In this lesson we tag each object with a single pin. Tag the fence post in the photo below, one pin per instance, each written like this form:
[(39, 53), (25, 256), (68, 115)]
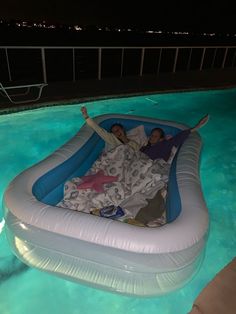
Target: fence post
[(99, 63), (189, 59), (159, 61), (213, 60), (122, 62), (202, 59), (73, 55), (234, 57), (141, 62), (176, 58), (8, 65), (44, 65), (225, 55)]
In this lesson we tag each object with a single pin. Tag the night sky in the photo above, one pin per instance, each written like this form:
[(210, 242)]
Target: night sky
[(176, 15)]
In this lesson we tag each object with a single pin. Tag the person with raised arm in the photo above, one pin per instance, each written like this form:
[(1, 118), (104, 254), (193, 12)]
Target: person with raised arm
[(160, 147), (115, 137)]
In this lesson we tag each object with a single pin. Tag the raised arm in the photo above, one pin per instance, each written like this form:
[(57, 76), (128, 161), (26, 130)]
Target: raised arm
[(182, 136), (84, 112), (106, 136), (201, 123)]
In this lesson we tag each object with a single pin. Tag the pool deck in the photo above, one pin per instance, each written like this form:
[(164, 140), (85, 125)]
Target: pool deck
[(85, 90), (218, 297)]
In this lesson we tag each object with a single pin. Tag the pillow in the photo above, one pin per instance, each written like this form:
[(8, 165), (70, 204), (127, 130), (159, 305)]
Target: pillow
[(172, 154), (138, 135)]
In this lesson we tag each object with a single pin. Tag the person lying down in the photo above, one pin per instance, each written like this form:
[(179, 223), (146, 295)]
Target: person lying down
[(123, 181), (118, 184), (155, 147)]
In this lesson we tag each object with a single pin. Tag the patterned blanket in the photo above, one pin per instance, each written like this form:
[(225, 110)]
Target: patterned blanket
[(138, 179)]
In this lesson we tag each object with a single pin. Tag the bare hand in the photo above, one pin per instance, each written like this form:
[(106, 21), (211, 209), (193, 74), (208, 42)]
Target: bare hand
[(203, 121), (84, 111)]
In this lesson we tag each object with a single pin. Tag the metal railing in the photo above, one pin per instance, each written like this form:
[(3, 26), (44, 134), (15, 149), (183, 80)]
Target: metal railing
[(148, 60)]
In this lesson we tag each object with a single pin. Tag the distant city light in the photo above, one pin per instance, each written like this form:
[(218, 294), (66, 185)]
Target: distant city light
[(46, 25), (153, 32), (209, 34), (161, 32), (34, 24)]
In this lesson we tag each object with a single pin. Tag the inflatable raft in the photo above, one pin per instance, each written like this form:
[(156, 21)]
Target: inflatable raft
[(101, 252)]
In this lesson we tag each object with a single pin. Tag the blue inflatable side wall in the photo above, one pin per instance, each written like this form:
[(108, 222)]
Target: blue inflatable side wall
[(49, 188)]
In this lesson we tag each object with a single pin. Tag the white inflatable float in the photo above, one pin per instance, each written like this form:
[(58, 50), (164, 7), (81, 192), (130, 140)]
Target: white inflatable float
[(101, 252)]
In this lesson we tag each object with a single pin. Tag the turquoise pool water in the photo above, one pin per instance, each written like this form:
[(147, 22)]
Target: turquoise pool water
[(28, 137)]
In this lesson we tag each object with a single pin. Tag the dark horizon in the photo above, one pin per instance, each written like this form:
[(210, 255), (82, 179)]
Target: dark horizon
[(112, 27), (179, 15), (91, 36)]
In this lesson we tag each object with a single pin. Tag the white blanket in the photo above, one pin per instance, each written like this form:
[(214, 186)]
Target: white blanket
[(139, 178)]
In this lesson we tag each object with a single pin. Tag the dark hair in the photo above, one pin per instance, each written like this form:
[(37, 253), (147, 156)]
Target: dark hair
[(162, 133), (118, 124)]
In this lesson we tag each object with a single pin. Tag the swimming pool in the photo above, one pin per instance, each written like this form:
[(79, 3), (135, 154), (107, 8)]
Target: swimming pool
[(30, 136)]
